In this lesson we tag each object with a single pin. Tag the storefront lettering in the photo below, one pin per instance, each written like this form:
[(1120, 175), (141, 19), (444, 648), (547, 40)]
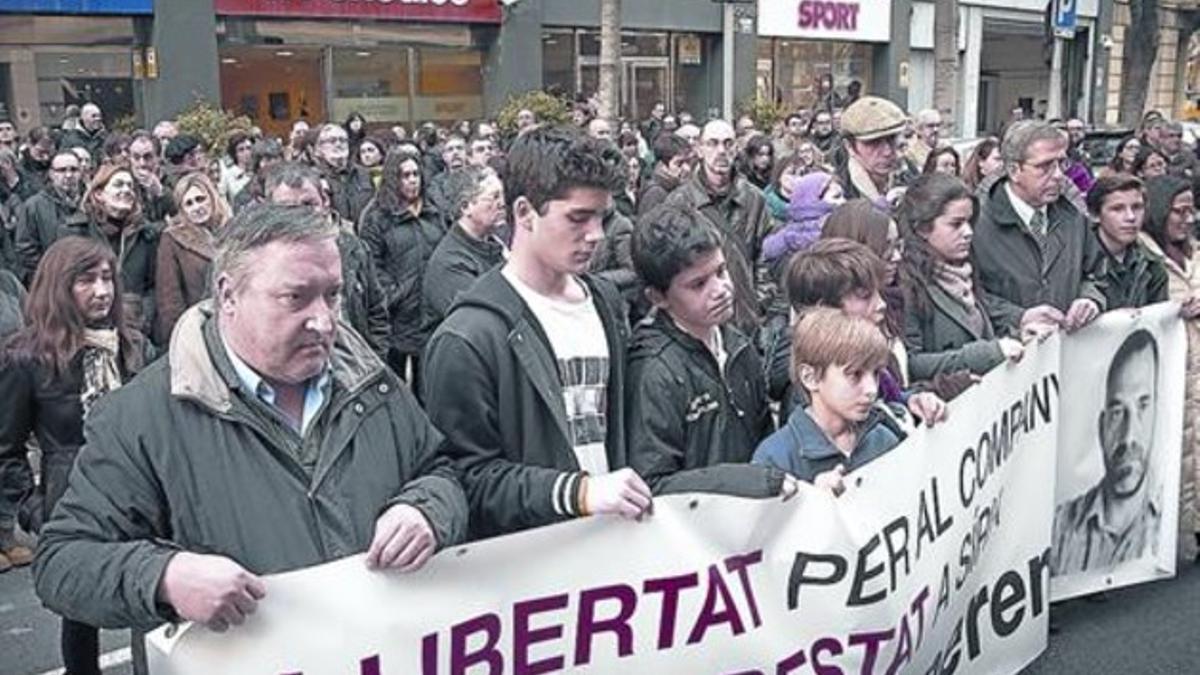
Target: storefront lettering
[(481, 11), (823, 14)]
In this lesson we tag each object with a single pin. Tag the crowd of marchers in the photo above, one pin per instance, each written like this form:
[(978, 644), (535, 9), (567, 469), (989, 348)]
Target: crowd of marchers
[(356, 340)]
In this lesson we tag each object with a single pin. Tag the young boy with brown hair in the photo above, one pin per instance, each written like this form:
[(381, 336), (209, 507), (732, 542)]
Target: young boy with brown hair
[(835, 358)]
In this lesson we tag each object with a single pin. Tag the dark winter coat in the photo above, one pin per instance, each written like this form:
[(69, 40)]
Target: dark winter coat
[(363, 303), (741, 216), (400, 245), (491, 384), (350, 191), (38, 222), (457, 261), (48, 406), (202, 465), (656, 190), (940, 338), (92, 141), (1010, 265), (12, 301), (693, 426), (182, 270), (1137, 281), (137, 254)]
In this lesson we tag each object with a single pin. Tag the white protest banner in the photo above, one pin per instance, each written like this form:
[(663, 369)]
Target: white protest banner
[(1117, 494), (935, 560)]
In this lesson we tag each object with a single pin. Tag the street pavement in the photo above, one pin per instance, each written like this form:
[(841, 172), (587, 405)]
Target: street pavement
[(1151, 629)]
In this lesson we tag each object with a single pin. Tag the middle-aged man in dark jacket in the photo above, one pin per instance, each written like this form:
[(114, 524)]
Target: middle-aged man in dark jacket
[(41, 216), (351, 188), (269, 439), (363, 304), (526, 375), (739, 212), (1032, 247)]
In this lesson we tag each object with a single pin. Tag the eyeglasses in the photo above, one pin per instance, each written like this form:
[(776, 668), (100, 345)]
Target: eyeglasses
[(65, 169), (336, 142), (1047, 167)]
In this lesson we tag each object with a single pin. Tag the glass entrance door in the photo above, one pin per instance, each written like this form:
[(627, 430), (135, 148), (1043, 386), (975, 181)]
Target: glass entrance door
[(645, 82)]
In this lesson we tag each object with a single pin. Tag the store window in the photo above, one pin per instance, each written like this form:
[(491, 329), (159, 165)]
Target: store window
[(788, 70), (558, 62), (292, 91), (449, 84), (373, 82), (50, 62)]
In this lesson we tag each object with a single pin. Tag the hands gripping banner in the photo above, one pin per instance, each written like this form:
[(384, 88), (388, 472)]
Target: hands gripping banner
[(935, 560)]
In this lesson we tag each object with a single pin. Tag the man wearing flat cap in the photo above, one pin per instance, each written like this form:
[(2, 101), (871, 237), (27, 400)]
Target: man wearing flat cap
[(871, 129), (184, 154)]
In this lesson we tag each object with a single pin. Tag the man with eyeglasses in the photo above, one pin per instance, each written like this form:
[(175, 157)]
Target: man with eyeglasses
[(350, 185), (735, 208), (928, 127), (1032, 246), (40, 216)]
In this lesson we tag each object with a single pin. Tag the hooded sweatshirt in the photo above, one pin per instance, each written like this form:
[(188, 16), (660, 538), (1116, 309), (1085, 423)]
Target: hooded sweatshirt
[(806, 215)]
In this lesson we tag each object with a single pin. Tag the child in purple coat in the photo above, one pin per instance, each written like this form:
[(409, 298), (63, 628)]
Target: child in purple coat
[(814, 197)]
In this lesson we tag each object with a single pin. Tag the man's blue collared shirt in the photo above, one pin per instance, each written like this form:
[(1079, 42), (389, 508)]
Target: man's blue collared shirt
[(314, 392)]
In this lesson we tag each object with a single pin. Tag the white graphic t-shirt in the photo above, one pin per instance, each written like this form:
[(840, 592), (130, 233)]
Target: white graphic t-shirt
[(576, 336)]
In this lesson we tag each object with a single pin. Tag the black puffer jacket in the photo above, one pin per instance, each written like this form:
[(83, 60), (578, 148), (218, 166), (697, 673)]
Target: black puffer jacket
[(693, 426), (401, 245)]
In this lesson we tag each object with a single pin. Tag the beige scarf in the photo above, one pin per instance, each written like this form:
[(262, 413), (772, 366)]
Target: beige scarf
[(100, 371), (862, 181)]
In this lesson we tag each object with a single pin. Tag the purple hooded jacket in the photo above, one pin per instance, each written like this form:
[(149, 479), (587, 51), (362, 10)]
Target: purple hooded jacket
[(806, 215)]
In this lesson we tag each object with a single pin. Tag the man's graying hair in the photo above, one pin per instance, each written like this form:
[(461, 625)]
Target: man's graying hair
[(464, 185), (290, 174), (263, 224), (1014, 149)]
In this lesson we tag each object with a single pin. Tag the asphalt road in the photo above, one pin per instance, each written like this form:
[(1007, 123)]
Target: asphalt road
[(1152, 629)]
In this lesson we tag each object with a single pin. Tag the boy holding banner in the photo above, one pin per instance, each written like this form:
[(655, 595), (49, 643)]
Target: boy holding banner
[(696, 398), (835, 358)]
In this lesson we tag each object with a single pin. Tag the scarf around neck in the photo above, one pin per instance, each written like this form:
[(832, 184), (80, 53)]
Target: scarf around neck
[(100, 371)]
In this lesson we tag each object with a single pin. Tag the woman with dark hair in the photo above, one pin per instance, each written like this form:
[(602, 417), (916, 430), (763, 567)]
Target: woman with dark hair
[(1150, 163), (356, 130), (401, 228), (369, 156), (236, 165), (73, 350), (943, 160), (985, 161), (757, 161), (948, 331), (1124, 158), (112, 213), (186, 250), (1168, 233)]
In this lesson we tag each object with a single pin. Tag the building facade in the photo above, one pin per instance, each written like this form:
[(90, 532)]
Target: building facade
[(805, 47), (1174, 87), (54, 54)]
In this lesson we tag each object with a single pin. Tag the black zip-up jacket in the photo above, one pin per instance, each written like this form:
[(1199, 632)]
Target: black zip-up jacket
[(1137, 281), (351, 190), (38, 222), (492, 386), (457, 261), (401, 245), (363, 303), (693, 427)]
